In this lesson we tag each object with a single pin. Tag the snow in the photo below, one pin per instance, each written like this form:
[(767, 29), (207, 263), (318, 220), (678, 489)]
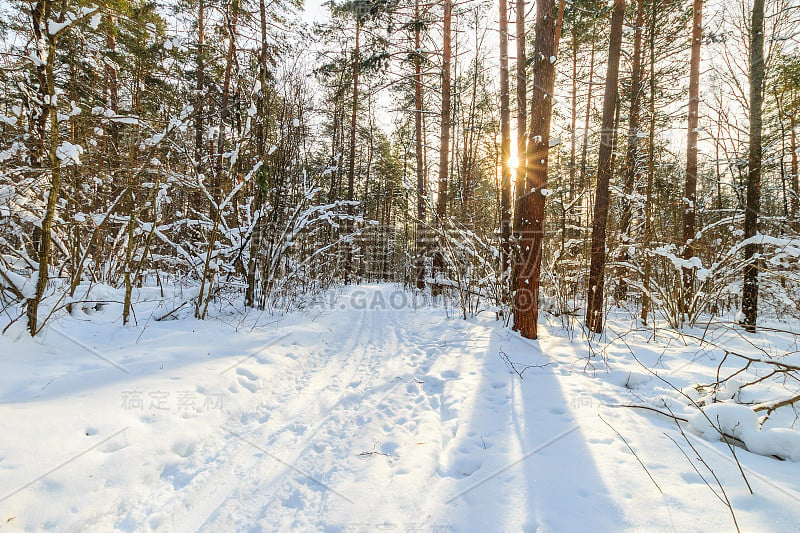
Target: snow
[(69, 153), (741, 422), (15, 148), (372, 410), (55, 27), (37, 61), (9, 278), (680, 263)]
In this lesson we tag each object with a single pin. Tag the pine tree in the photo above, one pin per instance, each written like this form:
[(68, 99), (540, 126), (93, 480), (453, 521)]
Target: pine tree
[(594, 309)]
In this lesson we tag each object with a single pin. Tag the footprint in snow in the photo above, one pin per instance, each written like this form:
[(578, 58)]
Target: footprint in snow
[(463, 466), (115, 445), (252, 386), (176, 475), (295, 501), (390, 448), (246, 373), (183, 448), (432, 385)]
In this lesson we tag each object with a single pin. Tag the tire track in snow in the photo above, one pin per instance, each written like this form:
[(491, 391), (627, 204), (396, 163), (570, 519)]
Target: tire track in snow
[(384, 369), (215, 472), (300, 421)]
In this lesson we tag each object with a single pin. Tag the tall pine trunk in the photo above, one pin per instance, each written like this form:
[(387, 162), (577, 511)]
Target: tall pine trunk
[(41, 17), (258, 224), (594, 307), (632, 154), (522, 115), (573, 126), (584, 182), (351, 165), (505, 142), (690, 192), (795, 178), (753, 202), (444, 138), (198, 113), (651, 165), (418, 148), (526, 296)]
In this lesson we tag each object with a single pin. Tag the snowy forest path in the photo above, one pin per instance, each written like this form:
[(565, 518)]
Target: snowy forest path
[(381, 384)]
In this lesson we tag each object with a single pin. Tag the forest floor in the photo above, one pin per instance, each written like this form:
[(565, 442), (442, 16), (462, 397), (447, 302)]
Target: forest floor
[(362, 413)]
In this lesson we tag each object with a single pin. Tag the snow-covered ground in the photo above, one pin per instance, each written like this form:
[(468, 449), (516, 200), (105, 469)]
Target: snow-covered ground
[(363, 413)]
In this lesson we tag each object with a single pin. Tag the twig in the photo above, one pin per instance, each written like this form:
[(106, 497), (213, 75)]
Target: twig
[(634, 454), (726, 501), (365, 454), (162, 317), (672, 416), (513, 367)]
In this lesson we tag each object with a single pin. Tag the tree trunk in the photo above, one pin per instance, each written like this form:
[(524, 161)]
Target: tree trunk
[(49, 93), (418, 148), (690, 193), (232, 16), (444, 139), (753, 205), (795, 178), (351, 165), (584, 182), (594, 308), (559, 24), (262, 82), (651, 166), (526, 297), (573, 133), (255, 238), (505, 143), (522, 115), (111, 86), (198, 112), (128, 278), (632, 154)]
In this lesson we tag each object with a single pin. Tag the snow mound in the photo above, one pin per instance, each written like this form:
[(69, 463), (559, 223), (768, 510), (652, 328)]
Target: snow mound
[(741, 422)]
